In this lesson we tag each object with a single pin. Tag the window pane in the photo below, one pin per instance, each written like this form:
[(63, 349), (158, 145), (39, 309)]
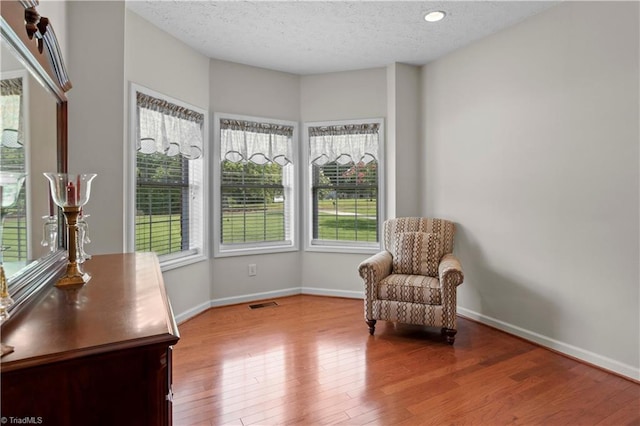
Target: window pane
[(252, 202), (345, 202), (162, 203)]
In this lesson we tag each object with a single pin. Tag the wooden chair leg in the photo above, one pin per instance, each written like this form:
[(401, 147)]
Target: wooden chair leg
[(372, 326), (449, 334)]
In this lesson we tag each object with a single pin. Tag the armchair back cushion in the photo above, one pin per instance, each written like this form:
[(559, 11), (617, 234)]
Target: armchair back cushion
[(444, 229), (416, 253)]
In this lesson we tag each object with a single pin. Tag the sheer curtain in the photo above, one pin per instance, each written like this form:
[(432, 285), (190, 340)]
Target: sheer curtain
[(344, 144), (12, 120), (168, 128), (260, 143)]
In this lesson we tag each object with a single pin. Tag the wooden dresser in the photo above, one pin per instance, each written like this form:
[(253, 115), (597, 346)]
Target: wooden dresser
[(105, 360)]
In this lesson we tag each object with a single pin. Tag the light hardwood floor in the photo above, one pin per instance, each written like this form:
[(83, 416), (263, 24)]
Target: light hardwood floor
[(310, 361)]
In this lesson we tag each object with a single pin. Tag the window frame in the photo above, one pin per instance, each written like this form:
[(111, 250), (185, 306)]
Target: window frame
[(196, 174), (252, 248), (330, 246)]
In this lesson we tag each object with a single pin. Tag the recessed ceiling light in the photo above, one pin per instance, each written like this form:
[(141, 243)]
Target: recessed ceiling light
[(434, 16)]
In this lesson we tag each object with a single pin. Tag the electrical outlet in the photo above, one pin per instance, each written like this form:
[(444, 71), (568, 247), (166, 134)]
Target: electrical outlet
[(253, 270)]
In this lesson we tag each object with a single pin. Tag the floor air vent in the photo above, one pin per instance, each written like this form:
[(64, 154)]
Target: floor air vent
[(263, 305)]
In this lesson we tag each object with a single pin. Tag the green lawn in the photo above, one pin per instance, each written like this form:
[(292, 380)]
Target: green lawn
[(161, 234), (346, 228), (252, 226), (350, 205), (158, 233)]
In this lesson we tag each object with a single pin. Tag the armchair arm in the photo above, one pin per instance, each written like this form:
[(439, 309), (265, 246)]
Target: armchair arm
[(372, 270), (375, 267), (450, 271), (451, 276)]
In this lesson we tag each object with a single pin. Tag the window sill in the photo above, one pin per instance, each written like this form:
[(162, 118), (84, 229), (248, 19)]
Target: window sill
[(330, 247), (178, 260), (247, 249)]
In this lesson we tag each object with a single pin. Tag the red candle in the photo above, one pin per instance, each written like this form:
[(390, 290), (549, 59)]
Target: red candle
[(71, 194), (50, 203), (78, 189)]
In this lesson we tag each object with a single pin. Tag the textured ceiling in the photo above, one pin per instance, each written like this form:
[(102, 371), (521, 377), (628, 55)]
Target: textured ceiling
[(310, 37)]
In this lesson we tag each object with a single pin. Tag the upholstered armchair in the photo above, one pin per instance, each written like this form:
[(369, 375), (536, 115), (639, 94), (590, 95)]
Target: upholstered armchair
[(414, 279)]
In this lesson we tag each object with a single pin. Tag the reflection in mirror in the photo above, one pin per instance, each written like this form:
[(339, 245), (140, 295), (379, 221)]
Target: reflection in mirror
[(33, 82), (27, 146)]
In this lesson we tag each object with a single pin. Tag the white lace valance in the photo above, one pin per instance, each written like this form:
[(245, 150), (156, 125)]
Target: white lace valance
[(260, 143), (168, 128), (12, 121), (344, 143)]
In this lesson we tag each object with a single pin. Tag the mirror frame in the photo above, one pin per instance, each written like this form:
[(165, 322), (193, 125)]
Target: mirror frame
[(34, 42)]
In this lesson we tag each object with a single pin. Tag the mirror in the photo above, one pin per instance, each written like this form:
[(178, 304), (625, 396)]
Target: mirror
[(33, 141), (27, 146)]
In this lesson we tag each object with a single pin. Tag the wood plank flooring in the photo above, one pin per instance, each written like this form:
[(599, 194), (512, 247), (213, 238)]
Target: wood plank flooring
[(310, 361)]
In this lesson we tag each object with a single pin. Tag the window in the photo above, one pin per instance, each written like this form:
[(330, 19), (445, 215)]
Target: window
[(169, 179), (254, 177), (344, 181), (13, 233)]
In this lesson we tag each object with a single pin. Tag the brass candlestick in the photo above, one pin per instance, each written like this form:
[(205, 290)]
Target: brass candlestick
[(71, 192), (74, 275), (5, 297)]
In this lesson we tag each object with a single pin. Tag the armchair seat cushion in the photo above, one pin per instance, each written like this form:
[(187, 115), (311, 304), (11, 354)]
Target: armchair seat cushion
[(410, 288)]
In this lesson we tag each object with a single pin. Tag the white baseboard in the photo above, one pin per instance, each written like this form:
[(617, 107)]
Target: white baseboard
[(573, 351), (225, 301), (183, 316), (331, 292), (255, 296)]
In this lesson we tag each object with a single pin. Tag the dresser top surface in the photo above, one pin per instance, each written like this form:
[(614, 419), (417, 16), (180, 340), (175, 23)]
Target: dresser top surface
[(123, 305)]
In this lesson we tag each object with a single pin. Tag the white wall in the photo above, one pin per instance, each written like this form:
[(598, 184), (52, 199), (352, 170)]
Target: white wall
[(339, 96), (403, 148), (96, 37), (242, 89), (160, 62), (532, 148), (56, 11)]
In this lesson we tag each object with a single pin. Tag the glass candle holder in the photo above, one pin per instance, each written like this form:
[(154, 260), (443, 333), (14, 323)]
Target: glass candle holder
[(71, 192), (83, 237), (50, 233), (10, 184)]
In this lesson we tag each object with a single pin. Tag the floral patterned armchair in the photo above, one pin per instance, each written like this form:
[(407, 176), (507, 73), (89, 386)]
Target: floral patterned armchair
[(414, 280)]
